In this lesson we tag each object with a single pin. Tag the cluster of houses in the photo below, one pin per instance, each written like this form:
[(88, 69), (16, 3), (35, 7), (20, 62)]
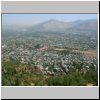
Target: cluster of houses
[(48, 60)]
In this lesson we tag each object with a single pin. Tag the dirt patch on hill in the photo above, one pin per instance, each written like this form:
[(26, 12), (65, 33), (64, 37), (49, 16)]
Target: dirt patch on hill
[(90, 53)]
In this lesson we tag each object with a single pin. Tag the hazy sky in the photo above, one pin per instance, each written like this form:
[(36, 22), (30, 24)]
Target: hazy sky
[(31, 19)]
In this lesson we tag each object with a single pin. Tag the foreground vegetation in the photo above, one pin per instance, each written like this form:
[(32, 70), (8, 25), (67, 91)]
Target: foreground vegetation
[(15, 73)]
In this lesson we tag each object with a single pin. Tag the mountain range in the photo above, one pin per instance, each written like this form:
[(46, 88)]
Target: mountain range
[(55, 26)]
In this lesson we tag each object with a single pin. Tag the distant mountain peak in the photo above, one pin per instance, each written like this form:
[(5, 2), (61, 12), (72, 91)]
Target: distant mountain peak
[(54, 21)]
